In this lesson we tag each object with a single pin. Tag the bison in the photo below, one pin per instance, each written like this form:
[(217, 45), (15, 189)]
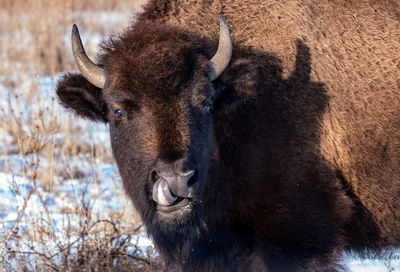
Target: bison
[(274, 149)]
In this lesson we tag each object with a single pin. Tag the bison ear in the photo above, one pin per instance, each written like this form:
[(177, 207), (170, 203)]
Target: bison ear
[(76, 93)]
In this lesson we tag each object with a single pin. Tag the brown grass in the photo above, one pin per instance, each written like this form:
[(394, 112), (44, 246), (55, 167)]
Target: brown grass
[(32, 31), (34, 41)]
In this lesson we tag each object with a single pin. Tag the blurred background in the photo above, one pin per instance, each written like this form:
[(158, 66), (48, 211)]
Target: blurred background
[(62, 206)]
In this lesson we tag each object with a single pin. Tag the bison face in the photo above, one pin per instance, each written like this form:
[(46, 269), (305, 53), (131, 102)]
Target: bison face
[(162, 145), (154, 86)]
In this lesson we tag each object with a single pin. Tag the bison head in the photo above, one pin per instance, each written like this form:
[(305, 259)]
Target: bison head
[(154, 86)]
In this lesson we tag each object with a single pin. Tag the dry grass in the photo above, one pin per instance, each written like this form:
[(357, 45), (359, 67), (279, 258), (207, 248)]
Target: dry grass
[(33, 32), (34, 41)]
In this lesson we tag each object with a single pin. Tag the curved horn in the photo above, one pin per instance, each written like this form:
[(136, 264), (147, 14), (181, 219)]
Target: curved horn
[(221, 59), (92, 72)]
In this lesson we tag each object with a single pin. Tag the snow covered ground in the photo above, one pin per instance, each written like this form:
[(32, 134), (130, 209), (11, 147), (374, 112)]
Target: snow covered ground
[(83, 190)]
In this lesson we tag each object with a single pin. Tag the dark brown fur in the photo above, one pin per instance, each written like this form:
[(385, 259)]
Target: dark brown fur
[(300, 157)]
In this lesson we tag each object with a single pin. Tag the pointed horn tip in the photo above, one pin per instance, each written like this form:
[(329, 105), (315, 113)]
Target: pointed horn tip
[(223, 24), (75, 34), (76, 40), (75, 29), (222, 19)]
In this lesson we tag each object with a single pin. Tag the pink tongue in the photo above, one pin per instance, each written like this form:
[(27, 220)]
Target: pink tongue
[(161, 193)]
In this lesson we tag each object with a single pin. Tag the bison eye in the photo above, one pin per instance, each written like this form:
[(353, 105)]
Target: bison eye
[(208, 107), (119, 114)]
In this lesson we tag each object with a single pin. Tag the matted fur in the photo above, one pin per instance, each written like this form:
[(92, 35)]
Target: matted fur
[(300, 157)]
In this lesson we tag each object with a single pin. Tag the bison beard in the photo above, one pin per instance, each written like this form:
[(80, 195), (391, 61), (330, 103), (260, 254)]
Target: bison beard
[(278, 160)]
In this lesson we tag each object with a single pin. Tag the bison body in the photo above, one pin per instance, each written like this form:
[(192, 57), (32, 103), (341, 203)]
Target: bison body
[(286, 158)]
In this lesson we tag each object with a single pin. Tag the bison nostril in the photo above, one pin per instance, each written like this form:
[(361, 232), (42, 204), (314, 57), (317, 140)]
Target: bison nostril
[(187, 175), (192, 180), (154, 176)]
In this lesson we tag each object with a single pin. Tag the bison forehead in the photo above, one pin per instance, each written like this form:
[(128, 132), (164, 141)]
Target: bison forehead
[(163, 131), (155, 60)]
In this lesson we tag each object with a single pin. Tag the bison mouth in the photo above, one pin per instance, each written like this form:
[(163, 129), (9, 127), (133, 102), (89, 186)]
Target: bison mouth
[(166, 200)]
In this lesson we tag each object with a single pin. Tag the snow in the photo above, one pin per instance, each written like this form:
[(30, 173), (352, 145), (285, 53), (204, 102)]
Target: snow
[(373, 265), (93, 184)]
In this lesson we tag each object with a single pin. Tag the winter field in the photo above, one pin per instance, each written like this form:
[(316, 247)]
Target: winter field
[(62, 204)]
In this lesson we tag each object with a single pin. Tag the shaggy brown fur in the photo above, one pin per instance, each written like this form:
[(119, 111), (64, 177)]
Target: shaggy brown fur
[(300, 157)]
